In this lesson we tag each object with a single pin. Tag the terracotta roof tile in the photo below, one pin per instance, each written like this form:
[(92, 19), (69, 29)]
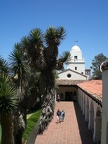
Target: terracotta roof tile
[(93, 87), (68, 82)]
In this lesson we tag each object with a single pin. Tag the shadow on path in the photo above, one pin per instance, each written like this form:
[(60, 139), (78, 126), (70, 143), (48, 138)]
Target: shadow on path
[(86, 135)]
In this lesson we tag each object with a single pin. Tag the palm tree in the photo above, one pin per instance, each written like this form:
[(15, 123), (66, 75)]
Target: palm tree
[(53, 38), (62, 60), (4, 65), (7, 105), (17, 64), (48, 54), (65, 56), (33, 45), (25, 82), (18, 67), (39, 52)]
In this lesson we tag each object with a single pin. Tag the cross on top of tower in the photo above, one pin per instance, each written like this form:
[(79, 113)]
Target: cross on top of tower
[(76, 42)]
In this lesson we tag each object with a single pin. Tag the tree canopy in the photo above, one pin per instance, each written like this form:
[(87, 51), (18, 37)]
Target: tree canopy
[(32, 72), (96, 62)]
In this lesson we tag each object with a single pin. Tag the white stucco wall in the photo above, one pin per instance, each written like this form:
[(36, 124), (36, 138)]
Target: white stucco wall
[(64, 89), (104, 136), (76, 60), (76, 51), (80, 67), (74, 76)]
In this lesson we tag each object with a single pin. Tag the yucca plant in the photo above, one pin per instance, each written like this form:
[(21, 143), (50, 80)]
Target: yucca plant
[(3, 65), (52, 40), (8, 103)]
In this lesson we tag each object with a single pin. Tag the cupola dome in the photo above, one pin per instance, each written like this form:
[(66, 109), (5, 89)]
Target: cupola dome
[(75, 48)]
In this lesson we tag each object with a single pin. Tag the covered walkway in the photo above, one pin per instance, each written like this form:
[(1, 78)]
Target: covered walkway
[(73, 130)]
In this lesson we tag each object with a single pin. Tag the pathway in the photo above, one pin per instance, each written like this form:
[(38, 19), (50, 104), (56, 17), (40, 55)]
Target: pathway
[(72, 131)]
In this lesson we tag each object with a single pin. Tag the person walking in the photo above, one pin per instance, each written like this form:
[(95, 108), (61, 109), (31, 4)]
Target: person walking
[(58, 115), (62, 115), (58, 98)]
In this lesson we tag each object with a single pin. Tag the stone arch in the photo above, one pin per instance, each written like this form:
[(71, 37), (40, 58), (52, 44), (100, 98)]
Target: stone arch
[(87, 109), (98, 122)]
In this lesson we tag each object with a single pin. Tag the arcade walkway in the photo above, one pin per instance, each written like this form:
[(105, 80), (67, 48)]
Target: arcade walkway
[(72, 131)]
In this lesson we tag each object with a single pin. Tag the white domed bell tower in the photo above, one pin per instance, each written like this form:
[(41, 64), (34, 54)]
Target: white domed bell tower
[(76, 61)]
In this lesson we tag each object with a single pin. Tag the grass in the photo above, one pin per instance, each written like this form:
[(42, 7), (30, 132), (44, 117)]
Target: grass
[(30, 115), (31, 122)]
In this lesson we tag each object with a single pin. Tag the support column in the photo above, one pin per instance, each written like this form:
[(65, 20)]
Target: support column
[(97, 129), (86, 112), (104, 69), (91, 121)]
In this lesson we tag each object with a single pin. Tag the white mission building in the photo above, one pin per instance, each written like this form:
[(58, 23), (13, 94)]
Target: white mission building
[(74, 84), (75, 66)]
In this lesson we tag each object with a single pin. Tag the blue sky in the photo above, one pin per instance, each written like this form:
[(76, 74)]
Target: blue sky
[(84, 20)]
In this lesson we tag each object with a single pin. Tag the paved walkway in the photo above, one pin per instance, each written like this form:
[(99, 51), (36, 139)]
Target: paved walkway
[(72, 131)]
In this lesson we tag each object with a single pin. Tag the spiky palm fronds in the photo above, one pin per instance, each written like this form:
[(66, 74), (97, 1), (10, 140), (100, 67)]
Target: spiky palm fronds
[(18, 65), (33, 46), (4, 66), (53, 36), (62, 60), (65, 56), (8, 101)]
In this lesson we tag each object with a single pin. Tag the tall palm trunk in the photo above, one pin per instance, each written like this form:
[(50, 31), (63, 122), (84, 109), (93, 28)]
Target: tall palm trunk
[(18, 137), (7, 128)]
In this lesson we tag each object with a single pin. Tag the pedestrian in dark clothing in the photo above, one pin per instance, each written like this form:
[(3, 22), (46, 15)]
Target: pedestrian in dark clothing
[(58, 115)]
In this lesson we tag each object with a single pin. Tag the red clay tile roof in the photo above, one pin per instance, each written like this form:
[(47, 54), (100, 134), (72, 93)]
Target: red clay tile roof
[(68, 82), (93, 87)]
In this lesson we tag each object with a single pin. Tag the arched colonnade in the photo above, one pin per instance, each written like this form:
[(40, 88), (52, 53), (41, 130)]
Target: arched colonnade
[(91, 110)]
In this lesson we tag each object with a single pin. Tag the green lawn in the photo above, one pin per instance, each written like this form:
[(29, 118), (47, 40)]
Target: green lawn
[(30, 115), (31, 122)]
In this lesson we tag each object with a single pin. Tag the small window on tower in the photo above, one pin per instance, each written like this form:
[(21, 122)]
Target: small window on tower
[(75, 57), (75, 68)]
